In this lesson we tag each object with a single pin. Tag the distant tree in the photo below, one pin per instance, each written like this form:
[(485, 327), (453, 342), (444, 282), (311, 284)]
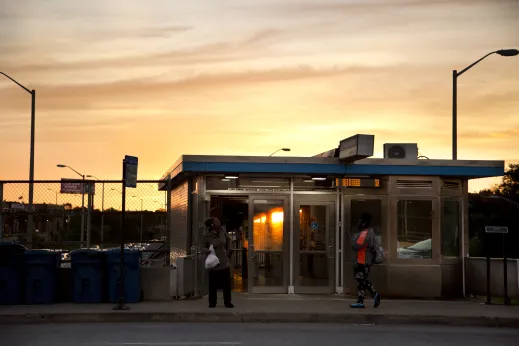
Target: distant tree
[(509, 186), (485, 211)]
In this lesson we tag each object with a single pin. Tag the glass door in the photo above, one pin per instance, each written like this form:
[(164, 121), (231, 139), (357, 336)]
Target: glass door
[(315, 247), (268, 245)]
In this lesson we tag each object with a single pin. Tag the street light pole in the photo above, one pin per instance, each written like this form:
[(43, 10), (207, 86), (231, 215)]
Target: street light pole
[(505, 260), (455, 115), (102, 209), (455, 75), (30, 221), (82, 236)]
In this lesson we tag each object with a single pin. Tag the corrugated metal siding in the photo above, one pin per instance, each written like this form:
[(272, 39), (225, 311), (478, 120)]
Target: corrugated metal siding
[(179, 222)]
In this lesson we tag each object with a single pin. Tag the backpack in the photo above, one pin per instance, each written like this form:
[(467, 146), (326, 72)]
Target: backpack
[(378, 253)]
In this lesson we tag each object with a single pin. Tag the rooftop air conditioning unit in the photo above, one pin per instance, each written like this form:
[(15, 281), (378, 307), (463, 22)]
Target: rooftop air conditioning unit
[(403, 151)]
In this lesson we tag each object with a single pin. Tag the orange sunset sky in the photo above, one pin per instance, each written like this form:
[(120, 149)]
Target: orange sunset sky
[(157, 79)]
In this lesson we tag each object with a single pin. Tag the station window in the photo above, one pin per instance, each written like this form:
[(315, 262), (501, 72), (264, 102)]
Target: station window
[(414, 228), (450, 229)]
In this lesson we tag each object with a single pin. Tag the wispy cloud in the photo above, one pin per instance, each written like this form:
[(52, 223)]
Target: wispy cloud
[(114, 77), (224, 51)]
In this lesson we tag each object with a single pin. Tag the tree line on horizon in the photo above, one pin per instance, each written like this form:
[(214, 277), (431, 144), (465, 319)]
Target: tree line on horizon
[(486, 211)]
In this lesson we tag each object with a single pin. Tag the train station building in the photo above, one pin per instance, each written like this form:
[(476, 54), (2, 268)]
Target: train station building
[(291, 218)]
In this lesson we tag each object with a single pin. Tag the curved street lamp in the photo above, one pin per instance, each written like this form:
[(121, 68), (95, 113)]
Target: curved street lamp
[(30, 223), (282, 149), (455, 75)]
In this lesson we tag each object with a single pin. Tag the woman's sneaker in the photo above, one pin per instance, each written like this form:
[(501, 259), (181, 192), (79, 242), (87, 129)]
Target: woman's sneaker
[(377, 300)]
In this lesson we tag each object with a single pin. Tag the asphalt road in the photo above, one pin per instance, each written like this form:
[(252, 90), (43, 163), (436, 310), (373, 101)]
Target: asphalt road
[(184, 334)]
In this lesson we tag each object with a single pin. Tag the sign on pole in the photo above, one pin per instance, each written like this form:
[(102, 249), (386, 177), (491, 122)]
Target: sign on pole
[(496, 229), (73, 186), (131, 163)]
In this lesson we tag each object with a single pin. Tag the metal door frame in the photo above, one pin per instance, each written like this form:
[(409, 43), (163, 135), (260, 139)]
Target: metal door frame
[(287, 219), (330, 248)]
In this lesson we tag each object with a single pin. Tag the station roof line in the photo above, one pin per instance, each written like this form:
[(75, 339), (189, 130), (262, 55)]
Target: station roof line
[(468, 169)]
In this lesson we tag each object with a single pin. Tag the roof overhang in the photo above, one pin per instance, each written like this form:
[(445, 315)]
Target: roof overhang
[(207, 164)]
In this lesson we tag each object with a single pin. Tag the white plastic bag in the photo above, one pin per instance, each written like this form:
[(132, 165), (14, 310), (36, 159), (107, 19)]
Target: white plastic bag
[(211, 261)]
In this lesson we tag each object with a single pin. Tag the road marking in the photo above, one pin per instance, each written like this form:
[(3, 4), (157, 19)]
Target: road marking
[(171, 343)]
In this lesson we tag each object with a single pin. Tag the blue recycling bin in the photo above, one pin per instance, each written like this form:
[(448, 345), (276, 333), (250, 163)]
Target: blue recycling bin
[(41, 276), (11, 273), (87, 276), (132, 275)]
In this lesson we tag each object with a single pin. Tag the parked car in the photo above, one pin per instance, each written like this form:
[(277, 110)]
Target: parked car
[(422, 250)]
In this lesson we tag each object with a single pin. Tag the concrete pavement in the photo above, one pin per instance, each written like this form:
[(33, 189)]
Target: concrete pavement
[(223, 334), (275, 308)]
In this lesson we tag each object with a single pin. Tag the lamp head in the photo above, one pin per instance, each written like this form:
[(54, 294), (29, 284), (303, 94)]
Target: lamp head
[(61, 166), (508, 52), (285, 149)]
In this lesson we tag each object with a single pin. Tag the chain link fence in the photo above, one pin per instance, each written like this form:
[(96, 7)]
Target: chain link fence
[(73, 214)]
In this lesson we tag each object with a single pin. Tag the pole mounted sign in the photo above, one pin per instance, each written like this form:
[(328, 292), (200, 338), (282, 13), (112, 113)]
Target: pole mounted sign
[(130, 164), (130, 177), (503, 231), (73, 186), (496, 229)]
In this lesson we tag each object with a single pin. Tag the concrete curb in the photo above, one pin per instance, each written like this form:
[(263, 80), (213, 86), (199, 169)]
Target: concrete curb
[(255, 317)]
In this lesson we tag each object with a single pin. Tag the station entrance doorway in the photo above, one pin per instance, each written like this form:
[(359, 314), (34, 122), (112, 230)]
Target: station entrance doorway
[(258, 228), (233, 212)]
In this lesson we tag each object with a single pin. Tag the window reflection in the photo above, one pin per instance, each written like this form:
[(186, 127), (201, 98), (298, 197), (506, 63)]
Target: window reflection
[(450, 233), (313, 243), (312, 233), (268, 243), (414, 229), (268, 229)]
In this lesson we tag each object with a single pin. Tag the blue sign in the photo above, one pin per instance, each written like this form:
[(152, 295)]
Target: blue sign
[(131, 163), (131, 160), (315, 226)]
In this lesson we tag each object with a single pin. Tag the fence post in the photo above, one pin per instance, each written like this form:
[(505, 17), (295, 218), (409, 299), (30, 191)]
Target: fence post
[(82, 237), (1, 211), (90, 201), (103, 217)]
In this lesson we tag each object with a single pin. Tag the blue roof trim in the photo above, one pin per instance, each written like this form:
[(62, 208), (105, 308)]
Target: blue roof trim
[(338, 169)]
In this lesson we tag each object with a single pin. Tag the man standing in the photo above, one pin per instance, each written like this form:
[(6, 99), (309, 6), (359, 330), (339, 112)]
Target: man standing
[(363, 244)]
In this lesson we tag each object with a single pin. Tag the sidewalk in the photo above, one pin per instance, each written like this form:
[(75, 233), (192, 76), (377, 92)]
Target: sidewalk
[(275, 308)]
